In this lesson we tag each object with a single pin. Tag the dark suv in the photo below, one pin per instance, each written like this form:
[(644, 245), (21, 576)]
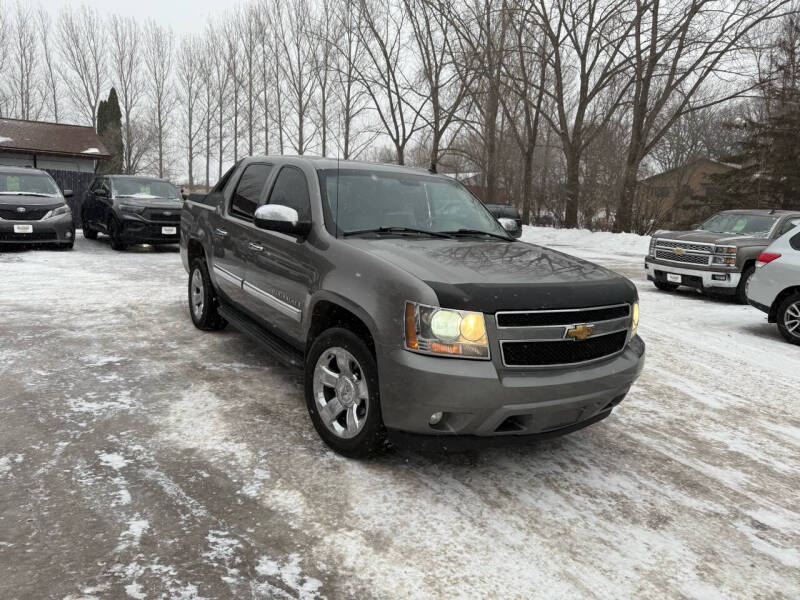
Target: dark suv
[(132, 210), (33, 209)]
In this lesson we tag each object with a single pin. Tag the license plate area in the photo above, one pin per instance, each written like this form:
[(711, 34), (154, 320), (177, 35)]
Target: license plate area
[(673, 278), (23, 228), (169, 230)]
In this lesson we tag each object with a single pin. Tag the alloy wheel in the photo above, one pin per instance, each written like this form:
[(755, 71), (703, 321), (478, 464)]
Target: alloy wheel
[(341, 394), (791, 319), (198, 294)]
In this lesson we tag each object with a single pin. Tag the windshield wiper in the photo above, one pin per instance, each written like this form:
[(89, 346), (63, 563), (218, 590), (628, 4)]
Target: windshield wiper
[(479, 232), (36, 194), (437, 234)]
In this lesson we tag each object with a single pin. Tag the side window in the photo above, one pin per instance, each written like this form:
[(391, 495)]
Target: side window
[(789, 225), (291, 189), (224, 179), (248, 191)]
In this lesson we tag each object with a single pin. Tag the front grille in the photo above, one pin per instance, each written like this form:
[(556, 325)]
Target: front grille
[(562, 352), (694, 259), (158, 214), (696, 247), (567, 317), (36, 236), (31, 214)]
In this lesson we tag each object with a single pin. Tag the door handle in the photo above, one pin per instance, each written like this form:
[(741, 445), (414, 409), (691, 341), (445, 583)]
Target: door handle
[(220, 232), (256, 247)]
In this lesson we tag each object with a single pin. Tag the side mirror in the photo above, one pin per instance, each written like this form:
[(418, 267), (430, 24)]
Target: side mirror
[(68, 194), (283, 219), (510, 225)]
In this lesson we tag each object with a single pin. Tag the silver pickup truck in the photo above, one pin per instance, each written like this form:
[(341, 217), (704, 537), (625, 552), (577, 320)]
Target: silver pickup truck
[(412, 312)]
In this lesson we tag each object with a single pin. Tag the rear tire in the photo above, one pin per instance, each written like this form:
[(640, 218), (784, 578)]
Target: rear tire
[(203, 299), (341, 388), (88, 232), (741, 289), (788, 318), (665, 286)]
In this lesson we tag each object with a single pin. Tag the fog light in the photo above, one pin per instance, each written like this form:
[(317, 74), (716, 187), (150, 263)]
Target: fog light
[(723, 277), (435, 418), (68, 234)]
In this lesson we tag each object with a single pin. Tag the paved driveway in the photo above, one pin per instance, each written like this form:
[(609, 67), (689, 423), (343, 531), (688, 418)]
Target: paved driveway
[(142, 458)]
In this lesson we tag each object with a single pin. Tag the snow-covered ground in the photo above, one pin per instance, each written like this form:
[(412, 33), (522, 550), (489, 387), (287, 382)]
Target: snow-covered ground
[(141, 458)]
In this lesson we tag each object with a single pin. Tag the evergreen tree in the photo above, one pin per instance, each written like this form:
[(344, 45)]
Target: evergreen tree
[(109, 128), (769, 173)]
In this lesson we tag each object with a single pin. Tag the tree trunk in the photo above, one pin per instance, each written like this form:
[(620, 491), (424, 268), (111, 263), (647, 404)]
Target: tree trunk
[(573, 188), (527, 185), (490, 136)]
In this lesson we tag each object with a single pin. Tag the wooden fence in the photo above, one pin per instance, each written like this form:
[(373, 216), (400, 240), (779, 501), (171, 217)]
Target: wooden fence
[(77, 182)]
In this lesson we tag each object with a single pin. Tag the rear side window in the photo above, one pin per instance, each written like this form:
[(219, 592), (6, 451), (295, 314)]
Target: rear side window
[(224, 179), (794, 241), (248, 191), (291, 189)]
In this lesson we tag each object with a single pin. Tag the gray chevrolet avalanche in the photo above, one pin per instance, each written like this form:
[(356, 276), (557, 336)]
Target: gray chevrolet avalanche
[(412, 312), (719, 256)]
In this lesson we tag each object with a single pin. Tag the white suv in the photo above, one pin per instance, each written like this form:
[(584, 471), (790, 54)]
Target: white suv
[(775, 285)]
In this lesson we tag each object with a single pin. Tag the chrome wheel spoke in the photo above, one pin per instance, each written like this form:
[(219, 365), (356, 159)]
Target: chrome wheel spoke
[(352, 419), (331, 411), (328, 378), (343, 362)]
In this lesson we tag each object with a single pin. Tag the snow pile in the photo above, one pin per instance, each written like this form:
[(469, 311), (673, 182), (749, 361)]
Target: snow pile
[(91, 151), (595, 241), (4, 139)]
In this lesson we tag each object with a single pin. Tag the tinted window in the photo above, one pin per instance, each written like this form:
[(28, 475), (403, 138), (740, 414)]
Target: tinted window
[(788, 226), (291, 189), (224, 179), (140, 187), (248, 191)]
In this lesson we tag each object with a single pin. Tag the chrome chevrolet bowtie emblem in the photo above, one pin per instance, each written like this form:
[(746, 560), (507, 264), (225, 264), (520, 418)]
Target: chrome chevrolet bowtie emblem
[(678, 250), (579, 332), (167, 213), (21, 209)]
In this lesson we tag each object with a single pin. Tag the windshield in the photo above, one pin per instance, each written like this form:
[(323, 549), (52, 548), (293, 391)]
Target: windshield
[(370, 201), (27, 184), (740, 224), (136, 187)]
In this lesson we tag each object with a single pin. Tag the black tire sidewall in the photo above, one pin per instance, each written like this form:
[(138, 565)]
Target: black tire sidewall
[(665, 286), (371, 438), (209, 319), (741, 289), (781, 313), (114, 233)]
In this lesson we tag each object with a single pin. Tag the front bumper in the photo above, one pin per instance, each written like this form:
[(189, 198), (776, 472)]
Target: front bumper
[(478, 399), (720, 281), (57, 230), (137, 230)]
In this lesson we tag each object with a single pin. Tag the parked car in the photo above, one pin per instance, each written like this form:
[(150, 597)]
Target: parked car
[(775, 286), (717, 257), (33, 209), (132, 210), (408, 306), (505, 213)]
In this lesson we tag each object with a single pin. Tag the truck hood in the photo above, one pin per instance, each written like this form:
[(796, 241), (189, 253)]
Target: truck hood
[(488, 276), (711, 238)]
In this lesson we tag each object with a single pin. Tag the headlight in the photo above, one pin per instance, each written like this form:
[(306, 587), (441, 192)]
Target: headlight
[(434, 330), (634, 318), (57, 212), (652, 250), (133, 208), (724, 255)]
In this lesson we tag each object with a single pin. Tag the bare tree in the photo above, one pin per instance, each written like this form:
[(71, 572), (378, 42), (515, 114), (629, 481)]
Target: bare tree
[(5, 33), (82, 42), (220, 82), (24, 61), (189, 72), (384, 77), (233, 51), (677, 48), (326, 35), (126, 57), (248, 21), (52, 77), (158, 65)]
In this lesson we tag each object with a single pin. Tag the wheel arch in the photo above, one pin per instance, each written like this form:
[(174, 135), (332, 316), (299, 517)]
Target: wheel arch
[(772, 316), (328, 311)]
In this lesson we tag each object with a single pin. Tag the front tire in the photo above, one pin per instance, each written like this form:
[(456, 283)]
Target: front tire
[(88, 232), (115, 234), (666, 287), (788, 318), (741, 289), (341, 388), (203, 298)]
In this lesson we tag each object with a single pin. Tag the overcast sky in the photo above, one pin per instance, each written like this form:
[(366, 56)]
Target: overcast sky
[(183, 16)]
